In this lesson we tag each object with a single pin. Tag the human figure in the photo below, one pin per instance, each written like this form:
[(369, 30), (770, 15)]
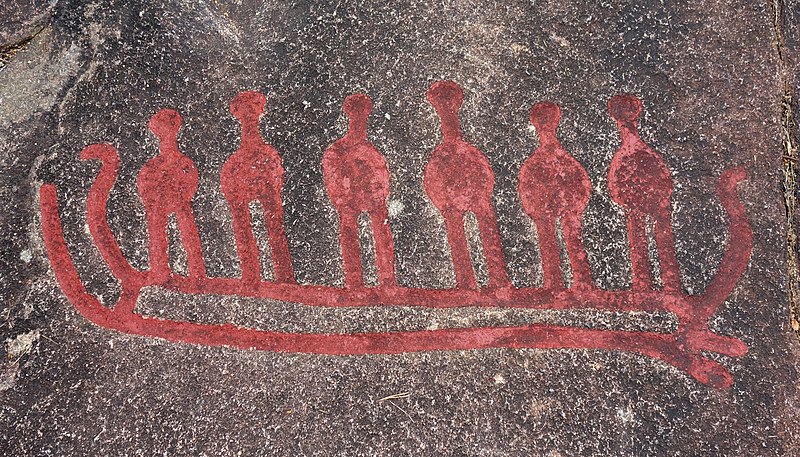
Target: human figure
[(640, 182), (459, 178), (553, 187), (166, 185), (357, 180), (255, 173)]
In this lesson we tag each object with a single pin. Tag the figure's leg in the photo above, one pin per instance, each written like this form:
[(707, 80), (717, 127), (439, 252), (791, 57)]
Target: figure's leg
[(245, 240), (492, 248), (665, 242), (158, 251), (191, 242), (553, 278), (465, 276), (640, 262), (351, 250), (384, 246), (572, 227), (278, 242)]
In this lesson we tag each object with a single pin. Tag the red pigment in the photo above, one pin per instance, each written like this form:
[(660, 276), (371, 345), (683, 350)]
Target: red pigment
[(553, 188)]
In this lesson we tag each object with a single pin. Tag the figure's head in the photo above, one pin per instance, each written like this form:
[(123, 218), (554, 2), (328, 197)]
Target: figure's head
[(248, 105), (166, 123), (357, 106), (545, 116), (446, 95), (625, 108)]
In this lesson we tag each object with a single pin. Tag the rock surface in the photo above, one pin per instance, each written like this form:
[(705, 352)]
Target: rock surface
[(712, 78)]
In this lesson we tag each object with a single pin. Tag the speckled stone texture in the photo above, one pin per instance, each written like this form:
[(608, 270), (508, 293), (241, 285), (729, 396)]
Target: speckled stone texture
[(22, 19), (712, 78)]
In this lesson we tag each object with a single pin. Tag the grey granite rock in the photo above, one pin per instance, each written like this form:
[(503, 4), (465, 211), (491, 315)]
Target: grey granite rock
[(712, 80)]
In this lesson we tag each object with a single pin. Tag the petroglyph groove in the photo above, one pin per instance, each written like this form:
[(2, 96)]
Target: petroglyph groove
[(459, 179)]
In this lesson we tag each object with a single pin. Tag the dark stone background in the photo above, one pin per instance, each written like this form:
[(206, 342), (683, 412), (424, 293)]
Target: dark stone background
[(712, 80)]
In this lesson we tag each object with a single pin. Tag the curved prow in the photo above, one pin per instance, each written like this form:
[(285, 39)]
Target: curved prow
[(96, 214), (737, 254), (89, 306)]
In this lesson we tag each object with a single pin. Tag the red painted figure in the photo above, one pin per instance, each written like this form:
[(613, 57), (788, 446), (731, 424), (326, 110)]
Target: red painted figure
[(554, 187), (255, 173), (458, 178), (358, 180), (167, 184), (640, 182)]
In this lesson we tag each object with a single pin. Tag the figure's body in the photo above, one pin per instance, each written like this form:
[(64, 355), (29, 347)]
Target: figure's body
[(640, 182), (255, 173), (357, 180), (458, 178), (167, 184), (553, 187)]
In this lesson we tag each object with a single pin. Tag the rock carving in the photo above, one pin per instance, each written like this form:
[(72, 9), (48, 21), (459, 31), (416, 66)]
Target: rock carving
[(458, 178)]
